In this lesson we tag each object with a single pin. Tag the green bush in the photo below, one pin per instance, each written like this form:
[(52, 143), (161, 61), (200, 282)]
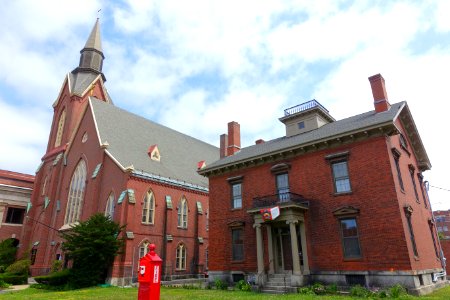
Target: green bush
[(318, 288), (4, 285), (220, 284), (14, 279), (20, 267), (243, 286), (359, 291), (54, 279), (56, 266), (7, 253), (331, 289), (396, 291), (306, 290)]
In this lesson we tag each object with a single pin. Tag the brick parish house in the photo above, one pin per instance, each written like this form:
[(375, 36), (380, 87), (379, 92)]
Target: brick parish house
[(442, 218), (333, 201), (101, 158), (15, 194)]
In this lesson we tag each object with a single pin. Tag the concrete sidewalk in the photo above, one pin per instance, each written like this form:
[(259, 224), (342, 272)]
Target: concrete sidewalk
[(19, 287)]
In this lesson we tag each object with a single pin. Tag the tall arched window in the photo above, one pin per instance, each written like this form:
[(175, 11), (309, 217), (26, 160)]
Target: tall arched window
[(148, 209), (109, 211), (62, 120), (143, 249), (182, 213), (76, 194), (181, 257)]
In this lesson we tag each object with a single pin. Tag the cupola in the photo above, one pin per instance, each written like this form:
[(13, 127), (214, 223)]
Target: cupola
[(305, 117)]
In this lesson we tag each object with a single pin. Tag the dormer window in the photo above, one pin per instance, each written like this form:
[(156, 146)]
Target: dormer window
[(153, 152)]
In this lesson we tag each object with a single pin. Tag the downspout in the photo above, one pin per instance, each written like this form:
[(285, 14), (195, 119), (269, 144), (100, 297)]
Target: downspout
[(441, 253), (164, 241)]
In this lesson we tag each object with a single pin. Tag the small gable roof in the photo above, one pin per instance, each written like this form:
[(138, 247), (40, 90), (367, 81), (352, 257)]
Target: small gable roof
[(130, 135)]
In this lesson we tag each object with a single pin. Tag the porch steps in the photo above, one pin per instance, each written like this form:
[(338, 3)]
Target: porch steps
[(279, 284)]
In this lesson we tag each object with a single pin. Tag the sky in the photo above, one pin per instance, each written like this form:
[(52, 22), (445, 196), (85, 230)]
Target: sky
[(194, 66)]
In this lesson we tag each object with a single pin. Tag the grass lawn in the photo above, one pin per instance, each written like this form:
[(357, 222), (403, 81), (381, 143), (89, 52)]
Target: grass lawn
[(113, 293)]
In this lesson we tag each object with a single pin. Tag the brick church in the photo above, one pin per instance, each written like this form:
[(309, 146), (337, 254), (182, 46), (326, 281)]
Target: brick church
[(332, 201), (101, 158)]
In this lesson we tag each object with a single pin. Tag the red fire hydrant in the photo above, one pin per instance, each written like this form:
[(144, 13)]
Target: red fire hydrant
[(149, 275)]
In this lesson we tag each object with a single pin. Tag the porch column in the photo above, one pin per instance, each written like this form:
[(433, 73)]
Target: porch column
[(259, 249), (270, 247), (304, 249), (294, 246)]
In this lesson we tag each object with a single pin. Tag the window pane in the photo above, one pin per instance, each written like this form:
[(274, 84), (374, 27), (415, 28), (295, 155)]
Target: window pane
[(237, 195), (282, 181), (342, 185), (340, 169), (351, 247)]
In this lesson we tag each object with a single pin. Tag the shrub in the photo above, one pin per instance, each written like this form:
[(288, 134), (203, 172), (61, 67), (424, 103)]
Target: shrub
[(7, 252), (54, 279), (397, 291), (243, 286), (318, 288), (20, 267), (331, 289), (14, 279), (220, 284), (307, 290), (359, 291), (4, 285), (56, 266)]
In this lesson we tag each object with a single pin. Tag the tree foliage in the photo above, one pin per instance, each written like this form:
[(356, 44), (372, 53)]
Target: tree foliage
[(92, 246), (8, 251)]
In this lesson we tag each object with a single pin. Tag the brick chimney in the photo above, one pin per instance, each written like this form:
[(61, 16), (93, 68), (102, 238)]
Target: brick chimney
[(260, 141), (380, 98), (234, 138), (223, 145)]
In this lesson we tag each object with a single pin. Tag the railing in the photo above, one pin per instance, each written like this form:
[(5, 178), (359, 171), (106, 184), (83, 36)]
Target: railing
[(303, 107), (277, 199)]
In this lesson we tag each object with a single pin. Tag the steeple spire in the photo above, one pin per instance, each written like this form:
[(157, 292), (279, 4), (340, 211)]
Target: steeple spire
[(92, 57)]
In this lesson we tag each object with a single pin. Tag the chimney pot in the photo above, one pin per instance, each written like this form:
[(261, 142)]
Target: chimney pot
[(260, 141), (380, 98)]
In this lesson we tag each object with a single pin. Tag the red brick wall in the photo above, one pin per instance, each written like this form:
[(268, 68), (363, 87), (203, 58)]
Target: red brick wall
[(384, 243), (445, 244), (111, 179)]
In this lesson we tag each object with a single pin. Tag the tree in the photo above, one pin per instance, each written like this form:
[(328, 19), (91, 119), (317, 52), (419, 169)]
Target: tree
[(8, 250), (92, 246)]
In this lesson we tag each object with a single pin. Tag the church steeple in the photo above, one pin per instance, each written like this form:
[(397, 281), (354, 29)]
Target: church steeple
[(92, 57)]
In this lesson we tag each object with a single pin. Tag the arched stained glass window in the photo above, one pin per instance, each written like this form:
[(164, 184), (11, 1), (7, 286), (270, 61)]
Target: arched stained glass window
[(182, 213), (109, 211), (62, 120), (181, 257), (148, 209), (76, 194)]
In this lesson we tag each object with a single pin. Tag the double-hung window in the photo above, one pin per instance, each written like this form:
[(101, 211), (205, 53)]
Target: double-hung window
[(283, 187), (237, 243), (340, 177), (236, 195), (350, 238)]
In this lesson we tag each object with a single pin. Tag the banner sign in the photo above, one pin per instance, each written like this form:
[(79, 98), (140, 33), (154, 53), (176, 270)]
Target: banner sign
[(270, 213)]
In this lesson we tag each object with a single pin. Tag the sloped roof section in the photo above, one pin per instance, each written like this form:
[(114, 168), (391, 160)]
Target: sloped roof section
[(329, 131), (129, 137)]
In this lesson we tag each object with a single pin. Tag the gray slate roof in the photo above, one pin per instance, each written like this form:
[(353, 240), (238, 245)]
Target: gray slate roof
[(129, 137), (81, 81), (334, 129)]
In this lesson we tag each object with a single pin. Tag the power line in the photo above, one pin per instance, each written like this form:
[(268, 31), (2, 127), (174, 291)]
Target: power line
[(436, 187)]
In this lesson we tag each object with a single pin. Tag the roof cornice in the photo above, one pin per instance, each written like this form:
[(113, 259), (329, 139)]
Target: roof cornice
[(386, 128)]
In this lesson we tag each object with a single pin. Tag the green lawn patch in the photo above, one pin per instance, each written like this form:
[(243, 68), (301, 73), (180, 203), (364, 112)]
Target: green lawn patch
[(116, 293)]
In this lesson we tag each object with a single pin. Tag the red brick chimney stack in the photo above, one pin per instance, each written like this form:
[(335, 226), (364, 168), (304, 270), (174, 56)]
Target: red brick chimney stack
[(223, 145), (380, 98), (234, 138)]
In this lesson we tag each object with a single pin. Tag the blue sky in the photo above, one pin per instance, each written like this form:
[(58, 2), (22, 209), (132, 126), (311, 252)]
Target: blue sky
[(196, 65)]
